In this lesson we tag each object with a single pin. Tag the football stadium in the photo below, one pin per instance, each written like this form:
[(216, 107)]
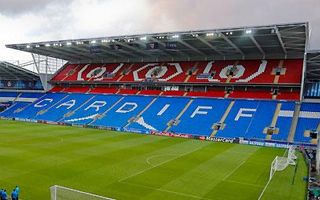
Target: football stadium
[(221, 114)]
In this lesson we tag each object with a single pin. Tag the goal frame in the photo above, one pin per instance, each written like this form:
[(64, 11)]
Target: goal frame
[(55, 188)]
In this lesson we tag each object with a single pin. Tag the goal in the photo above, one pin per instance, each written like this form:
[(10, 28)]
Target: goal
[(280, 163), (63, 193)]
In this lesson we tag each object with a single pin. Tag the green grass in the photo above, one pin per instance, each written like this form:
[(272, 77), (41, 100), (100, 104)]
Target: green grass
[(133, 166)]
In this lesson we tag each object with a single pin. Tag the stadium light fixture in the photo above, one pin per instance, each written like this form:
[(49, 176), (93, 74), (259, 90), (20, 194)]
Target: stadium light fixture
[(37, 45), (69, 43), (79, 42), (144, 38), (248, 31), (105, 41), (47, 45), (210, 34), (28, 46), (175, 36), (93, 41)]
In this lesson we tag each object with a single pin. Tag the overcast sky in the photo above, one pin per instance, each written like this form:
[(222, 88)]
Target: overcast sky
[(41, 20)]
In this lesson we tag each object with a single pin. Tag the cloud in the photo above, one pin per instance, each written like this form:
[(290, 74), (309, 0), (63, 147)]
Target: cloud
[(42, 20), (17, 7)]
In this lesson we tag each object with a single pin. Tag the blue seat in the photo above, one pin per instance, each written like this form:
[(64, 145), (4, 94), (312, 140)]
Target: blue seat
[(9, 112), (88, 111), (284, 121), (239, 119), (200, 116), (309, 119), (157, 116), (66, 105), (127, 108), (43, 103)]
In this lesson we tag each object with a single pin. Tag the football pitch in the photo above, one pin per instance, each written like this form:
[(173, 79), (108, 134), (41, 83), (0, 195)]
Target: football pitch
[(135, 166)]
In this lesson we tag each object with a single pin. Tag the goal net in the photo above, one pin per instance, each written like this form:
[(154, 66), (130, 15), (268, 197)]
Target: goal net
[(63, 193), (280, 163)]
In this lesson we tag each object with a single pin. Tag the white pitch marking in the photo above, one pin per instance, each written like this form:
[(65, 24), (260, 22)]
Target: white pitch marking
[(155, 156), (135, 174), (235, 169)]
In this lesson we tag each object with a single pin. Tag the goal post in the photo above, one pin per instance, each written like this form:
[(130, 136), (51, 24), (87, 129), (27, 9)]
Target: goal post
[(280, 163), (63, 193)]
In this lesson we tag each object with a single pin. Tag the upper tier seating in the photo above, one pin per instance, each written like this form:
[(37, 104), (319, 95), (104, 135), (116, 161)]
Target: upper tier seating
[(252, 119), (244, 72)]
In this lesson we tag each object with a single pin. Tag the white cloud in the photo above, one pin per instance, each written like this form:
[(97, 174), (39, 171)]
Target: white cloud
[(58, 19)]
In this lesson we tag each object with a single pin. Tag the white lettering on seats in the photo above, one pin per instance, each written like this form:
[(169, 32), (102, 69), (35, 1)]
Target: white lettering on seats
[(261, 69), (165, 107), (39, 105), (176, 65), (79, 77), (69, 104), (97, 105), (127, 107), (240, 68), (199, 109), (242, 114)]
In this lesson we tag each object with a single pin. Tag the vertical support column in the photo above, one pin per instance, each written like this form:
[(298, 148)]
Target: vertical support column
[(303, 75)]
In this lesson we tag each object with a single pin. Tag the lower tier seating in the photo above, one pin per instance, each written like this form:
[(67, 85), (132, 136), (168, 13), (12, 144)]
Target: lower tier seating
[(252, 119)]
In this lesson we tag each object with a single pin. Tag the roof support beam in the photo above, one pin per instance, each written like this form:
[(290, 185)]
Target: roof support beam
[(209, 45), (232, 44), (258, 46), (163, 44), (281, 41), (191, 47), (132, 48)]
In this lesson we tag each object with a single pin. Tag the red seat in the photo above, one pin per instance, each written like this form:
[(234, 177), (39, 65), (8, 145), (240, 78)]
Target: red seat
[(77, 89), (251, 94), (295, 95), (150, 92), (173, 93), (128, 91), (104, 90), (218, 93)]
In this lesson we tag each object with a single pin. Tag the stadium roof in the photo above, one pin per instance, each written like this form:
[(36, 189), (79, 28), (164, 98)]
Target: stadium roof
[(272, 41), (9, 71), (313, 66)]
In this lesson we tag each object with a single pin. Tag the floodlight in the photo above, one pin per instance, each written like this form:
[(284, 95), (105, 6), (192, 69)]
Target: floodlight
[(105, 41), (37, 45), (175, 36), (210, 34), (144, 38), (93, 42), (28, 46), (47, 45), (248, 31), (69, 43)]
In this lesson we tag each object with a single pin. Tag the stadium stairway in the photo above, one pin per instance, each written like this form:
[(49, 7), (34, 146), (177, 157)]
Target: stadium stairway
[(175, 121), (220, 124), (294, 122)]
